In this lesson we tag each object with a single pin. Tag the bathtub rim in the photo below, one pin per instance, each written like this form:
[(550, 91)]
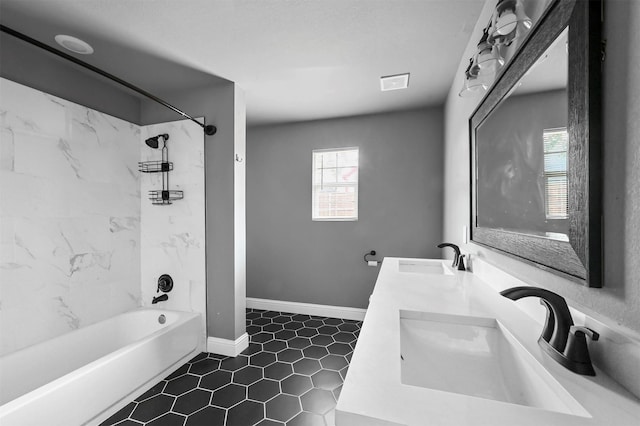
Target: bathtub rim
[(127, 399), (24, 399)]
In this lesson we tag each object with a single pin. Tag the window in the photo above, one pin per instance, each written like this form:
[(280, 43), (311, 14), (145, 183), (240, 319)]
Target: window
[(335, 184), (556, 143)]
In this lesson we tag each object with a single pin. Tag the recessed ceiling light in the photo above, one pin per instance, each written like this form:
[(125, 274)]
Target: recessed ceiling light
[(394, 82), (74, 44)]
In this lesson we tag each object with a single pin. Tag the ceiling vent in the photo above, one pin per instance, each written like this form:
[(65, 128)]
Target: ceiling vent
[(394, 82)]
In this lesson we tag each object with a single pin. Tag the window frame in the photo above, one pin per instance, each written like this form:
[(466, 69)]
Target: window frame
[(315, 185), (555, 174)]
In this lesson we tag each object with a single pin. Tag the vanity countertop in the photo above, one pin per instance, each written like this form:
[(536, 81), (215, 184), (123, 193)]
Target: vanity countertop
[(373, 394)]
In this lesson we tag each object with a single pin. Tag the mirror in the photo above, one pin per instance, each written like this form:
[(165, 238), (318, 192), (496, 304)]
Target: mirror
[(535, 143), (522, 162)]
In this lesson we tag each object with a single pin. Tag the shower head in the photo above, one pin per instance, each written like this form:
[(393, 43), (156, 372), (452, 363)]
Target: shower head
[(153, 142)]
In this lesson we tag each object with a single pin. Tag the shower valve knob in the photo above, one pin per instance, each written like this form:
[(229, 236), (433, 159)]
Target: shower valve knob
[(165, 283)]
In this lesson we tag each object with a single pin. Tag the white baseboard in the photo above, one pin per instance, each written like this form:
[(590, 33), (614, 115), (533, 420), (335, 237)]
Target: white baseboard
[(227, 347), (307, 308)]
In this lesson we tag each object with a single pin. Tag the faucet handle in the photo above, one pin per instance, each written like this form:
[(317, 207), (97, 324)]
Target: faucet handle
[(165, 283), (577, 351), (461, 263), (593, 335)]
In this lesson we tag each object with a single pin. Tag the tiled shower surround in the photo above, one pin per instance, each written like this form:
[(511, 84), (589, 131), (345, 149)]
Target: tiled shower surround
[(69, 216), (79, 240), (291, 374)]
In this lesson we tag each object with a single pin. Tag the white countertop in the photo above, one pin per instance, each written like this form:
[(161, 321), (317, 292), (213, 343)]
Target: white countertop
[(373, 394)]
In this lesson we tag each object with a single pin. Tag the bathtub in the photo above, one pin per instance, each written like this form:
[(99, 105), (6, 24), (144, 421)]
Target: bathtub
[(81, 376)]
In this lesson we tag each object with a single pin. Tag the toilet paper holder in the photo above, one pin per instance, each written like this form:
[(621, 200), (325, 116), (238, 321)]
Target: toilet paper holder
[(370, 261)]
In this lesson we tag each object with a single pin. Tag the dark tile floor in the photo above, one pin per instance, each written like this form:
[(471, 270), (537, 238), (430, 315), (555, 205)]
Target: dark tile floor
[(291, 374)]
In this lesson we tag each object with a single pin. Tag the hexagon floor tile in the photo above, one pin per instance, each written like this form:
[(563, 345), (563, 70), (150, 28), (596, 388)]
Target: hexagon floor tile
[(291, 374)]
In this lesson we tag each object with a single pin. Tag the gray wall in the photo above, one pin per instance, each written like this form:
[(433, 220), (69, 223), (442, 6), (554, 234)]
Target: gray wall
[(619, 300), (292, 258), (34, 67), (225, 265)]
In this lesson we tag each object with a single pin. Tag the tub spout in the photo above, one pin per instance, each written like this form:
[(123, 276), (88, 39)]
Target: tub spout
[(160, 298)]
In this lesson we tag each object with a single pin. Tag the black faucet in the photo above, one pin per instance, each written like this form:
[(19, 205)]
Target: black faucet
[(456, 249), (165, 284), (160, 298), (565, 342)]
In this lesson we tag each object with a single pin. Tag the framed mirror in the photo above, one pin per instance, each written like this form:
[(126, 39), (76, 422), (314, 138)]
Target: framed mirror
[(535, 148)]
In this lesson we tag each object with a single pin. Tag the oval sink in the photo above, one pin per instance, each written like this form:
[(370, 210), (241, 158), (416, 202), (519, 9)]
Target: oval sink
[(476, 357)]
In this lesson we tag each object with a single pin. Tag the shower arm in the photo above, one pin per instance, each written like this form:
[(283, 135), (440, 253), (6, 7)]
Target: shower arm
[(208, 129)]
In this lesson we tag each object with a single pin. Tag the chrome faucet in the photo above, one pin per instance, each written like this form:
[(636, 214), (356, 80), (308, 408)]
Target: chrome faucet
[(560, 338), (456, 249)]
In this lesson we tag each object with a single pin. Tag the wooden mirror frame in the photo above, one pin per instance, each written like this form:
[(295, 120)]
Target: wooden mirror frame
[(580, 258)]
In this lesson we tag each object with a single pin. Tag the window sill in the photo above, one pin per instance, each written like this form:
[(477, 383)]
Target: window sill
[(336, 219)]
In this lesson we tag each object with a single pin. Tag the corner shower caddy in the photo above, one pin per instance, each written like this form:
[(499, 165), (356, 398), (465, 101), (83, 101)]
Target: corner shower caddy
[(162, 196)]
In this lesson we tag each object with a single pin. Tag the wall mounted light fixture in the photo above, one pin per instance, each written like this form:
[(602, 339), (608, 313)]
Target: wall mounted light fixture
[(508, 17), (474, 83), (508, 24), (489, 58)]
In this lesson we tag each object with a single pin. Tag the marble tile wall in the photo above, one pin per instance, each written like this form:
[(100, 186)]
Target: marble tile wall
[(173, 236), (69, 216)]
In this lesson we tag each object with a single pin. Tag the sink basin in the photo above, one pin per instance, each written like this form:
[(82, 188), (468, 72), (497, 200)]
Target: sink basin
[(423, 266), (476, 357)]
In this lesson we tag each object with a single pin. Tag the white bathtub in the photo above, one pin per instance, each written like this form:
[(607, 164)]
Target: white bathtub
[(78, 377)]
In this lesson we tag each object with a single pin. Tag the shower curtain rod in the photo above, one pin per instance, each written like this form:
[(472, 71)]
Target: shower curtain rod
[(208, 129)]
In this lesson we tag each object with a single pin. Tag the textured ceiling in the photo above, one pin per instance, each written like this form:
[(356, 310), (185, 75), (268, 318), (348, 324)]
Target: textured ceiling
[(295, 59)]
